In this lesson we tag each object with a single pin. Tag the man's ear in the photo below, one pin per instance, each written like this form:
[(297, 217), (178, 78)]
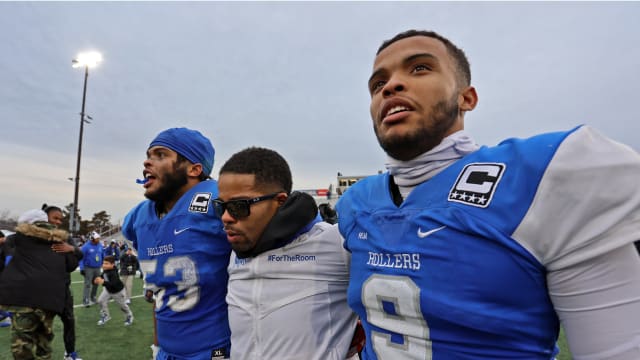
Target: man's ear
[(468, 99), (194, 170), (282, 198)]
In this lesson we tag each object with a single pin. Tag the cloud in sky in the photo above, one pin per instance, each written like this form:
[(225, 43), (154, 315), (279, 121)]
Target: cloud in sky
[(289, 76)]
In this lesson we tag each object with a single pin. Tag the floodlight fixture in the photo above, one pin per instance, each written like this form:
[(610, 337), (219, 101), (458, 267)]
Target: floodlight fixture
[(88, 59)]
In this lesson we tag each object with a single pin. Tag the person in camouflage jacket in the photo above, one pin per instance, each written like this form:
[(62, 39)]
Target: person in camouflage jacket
[(32, 286)]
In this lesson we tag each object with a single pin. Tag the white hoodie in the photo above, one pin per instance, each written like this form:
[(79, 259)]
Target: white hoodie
[(291, 302)]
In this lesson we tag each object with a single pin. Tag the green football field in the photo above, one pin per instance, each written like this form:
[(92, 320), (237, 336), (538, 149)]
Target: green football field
[(114, 340)]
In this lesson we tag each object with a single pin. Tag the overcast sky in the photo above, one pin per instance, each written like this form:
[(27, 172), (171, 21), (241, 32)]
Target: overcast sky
[(289, 76)]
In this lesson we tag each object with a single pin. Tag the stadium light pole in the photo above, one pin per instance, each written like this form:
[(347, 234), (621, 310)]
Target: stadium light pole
[(86, 60)]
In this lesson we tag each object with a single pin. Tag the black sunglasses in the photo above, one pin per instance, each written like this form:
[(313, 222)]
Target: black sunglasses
[(239, 208)]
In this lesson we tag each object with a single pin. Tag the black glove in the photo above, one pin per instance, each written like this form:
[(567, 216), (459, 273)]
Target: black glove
[(82, 272), (141, 276)]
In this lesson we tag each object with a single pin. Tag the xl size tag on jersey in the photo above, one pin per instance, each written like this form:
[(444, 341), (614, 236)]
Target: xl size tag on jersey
[(218, 354), (476, 184), (200, 203)]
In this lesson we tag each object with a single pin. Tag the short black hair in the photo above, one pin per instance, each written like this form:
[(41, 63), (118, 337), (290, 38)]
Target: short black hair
[(462, 63), (110, 259), (269, 167), (46, 208)]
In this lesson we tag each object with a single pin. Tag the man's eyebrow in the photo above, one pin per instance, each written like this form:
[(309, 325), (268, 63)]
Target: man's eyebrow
[(418, 56), (153, 150), (375, 74)]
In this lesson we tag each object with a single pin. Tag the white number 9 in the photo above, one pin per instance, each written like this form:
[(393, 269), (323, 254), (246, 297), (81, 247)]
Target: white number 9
[(405, 320)]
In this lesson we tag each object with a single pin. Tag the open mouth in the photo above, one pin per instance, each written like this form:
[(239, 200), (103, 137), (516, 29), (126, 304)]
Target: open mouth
[(396, 109), (148, 180)]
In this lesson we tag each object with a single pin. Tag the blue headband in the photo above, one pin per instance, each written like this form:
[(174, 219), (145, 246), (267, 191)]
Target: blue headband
[(189, 143)]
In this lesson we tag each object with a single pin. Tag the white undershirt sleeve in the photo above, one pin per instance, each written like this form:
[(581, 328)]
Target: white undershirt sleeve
[(592, 295)]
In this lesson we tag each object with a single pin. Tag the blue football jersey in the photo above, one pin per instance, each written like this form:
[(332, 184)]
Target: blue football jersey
[(440, 276), (184, 257)]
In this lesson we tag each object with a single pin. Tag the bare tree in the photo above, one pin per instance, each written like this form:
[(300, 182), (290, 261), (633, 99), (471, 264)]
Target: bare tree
[(7, 221), (100, 222)]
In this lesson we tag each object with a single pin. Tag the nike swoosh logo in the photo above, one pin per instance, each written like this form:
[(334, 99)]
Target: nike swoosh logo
[(176, 232), (427, 233)]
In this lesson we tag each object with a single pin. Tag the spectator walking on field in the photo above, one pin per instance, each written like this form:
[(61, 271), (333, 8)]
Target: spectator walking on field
[(128, 267), (90, 268)]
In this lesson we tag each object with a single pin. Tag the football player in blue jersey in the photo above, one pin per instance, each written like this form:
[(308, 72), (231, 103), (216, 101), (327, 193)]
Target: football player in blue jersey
[(468, 252), (182, 249)]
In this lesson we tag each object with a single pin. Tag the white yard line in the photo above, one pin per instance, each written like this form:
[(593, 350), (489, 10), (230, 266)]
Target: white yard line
[(81, 305)]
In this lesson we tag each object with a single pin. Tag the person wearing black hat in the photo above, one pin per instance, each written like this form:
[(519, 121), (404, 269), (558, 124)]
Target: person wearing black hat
[(128, 267), (181, 247)]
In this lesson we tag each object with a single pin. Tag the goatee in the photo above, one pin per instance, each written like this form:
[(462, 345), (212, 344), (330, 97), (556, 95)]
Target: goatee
[(424, 138)]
